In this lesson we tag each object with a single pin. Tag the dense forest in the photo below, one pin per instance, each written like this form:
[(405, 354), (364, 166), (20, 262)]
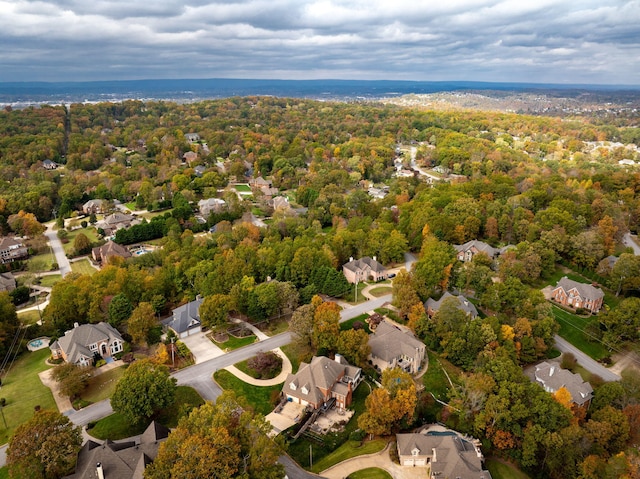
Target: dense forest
[(554, 189)]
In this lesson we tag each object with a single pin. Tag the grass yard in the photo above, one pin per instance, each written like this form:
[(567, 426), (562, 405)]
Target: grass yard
[(83, 267), (116, 426), (349, 323), (49, 280), (102, 386), (435, 380), (235, 343), (348, 450), (390, 314), (572, 328), (23, 391), (380, 291), (260, 398), (501, 470), (29, 317), (243, 188), (291, 352), (89, 231), (370, 473), (4, 472), (41, 262)]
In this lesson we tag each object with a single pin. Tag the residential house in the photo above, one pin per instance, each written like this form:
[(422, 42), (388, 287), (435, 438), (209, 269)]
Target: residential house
[(192, 137), (578, 295), (101, 254), (260, 182), (323, 382), (391, 347), (93, 206), (12, 249), (432, 306), (378, 193), (280, 203), (364, 269), (186, 319), (199, 170), (445, 452), (120, 460), (80, 344), (189, 157), (7, 282), (467, 251), (211, 205), (49, 165), (113, 222), (552, 377)]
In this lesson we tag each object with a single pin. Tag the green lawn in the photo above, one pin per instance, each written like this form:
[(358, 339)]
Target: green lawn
[(89, 231), (235, 343), (83, 267), (348, 450), (41, 262), (380, 291), (102, 386), (243, 188), (29, 317), (435, 380), (572, 328), (390, 314), (23, 391), (370, 473), (500, 470), (292, 354), (116, 426), (349, 323), (260, 398), (49, 280), (4, 472)]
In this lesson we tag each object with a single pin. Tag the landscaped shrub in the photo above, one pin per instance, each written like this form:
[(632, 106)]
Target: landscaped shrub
[(266, 365)]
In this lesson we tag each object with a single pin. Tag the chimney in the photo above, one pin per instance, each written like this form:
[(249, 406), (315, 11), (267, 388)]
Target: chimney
[(433, 453), (100, 471), (75, 325), (338, 358), (350, 259), (375, 258)]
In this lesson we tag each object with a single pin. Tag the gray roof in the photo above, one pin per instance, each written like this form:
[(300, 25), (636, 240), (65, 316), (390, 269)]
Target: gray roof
[(122, 459), (110, 248), (7, 281), (586, 291), (482, 247), (363, 263), (322, 373), (186, 316), (553, 377), (76, 342), (465, 305), (389, 342), (456, 457)]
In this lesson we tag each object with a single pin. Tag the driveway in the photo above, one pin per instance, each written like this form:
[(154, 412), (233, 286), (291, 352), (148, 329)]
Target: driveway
[(381, 460), (629, 241), (202, 347), (58, 250)]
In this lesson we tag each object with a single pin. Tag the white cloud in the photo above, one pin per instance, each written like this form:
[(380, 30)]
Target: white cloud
[(491, 40)]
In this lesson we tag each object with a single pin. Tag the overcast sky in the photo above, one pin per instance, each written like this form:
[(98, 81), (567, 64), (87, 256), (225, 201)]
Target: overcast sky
[(542, 41)]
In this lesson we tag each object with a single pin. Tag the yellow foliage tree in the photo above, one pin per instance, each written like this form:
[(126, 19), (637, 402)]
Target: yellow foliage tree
[(563, 396)]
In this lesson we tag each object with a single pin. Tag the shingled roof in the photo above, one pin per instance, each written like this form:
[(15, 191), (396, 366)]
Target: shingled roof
[(465, 305), (76, 342), (362, 263), (553, 377), (388, 342), (586, 291)]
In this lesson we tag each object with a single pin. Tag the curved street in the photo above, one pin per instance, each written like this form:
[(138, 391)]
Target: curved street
[(591, 365)]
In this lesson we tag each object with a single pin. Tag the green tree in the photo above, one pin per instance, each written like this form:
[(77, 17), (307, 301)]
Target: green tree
[(8, 323), (214, 311), (143, 390), (326, 327), (403, 293), (72, 379), (45, 446), (81, 244), (431, 272), (622, 323), (354, 346), (222, 440), (120, 308), (301, 326), (141, 321)]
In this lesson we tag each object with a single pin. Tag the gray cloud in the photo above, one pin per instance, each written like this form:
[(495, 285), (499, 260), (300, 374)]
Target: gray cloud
[(485, 40)]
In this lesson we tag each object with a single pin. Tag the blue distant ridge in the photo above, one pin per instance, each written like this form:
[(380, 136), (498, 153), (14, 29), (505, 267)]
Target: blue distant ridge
[(195, 89)]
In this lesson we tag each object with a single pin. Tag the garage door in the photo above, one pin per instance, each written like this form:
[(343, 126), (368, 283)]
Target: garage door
[(421, 462)]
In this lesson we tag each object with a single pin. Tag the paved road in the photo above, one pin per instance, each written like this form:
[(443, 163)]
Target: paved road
[(594, 367), (627, 240), (58, 250)]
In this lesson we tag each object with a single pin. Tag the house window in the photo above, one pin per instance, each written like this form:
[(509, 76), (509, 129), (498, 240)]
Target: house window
[(116, 347), (93, 347)]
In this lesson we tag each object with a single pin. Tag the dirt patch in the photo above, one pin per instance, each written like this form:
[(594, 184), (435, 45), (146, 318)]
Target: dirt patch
[(629, 361), (220, 337)]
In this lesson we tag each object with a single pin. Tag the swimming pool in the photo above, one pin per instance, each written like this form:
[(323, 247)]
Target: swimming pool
[(38, 343), (35, 343), (142, 251)]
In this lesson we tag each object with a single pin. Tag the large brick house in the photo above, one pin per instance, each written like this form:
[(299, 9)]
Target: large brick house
[(82, 343), (12, 249), (578, 295), (364, 269), (322, 382)]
